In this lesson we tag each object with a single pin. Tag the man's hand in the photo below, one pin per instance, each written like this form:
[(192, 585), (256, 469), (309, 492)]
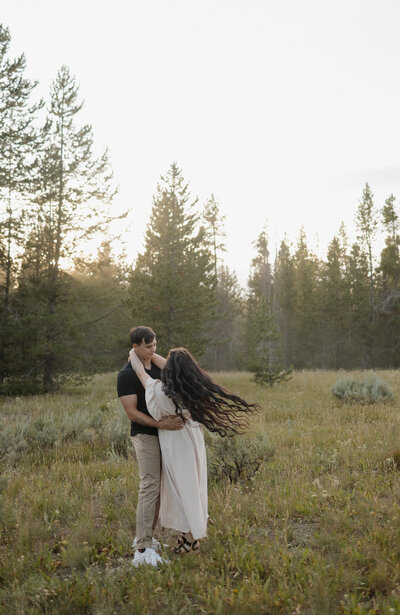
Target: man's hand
[(171, 422)]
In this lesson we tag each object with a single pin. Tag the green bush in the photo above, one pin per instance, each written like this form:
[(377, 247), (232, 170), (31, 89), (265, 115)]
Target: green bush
[(7, 512), (74, 424), (117, 433), (42, 433), (13, 442), (237, 457), (18, 385), (97, 420), (25, 436), (271, 374), (369, 390)]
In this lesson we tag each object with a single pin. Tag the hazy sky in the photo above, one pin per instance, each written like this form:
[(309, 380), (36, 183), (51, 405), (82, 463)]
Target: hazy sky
[(283, 109)]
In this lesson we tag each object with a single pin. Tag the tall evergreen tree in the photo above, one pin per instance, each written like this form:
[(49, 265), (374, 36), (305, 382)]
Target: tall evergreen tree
[(17, 141), (283, 298), (214, 227), (172, 287), (260, 281), (72, 186), (335, 305), (223, 349), (263, 340), (388, 326), (367, 224), (390, 255), (32, 320), (358, 277), (100, 305), (306, 327), (92, 317)]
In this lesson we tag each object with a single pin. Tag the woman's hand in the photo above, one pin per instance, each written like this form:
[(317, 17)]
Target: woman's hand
[(135, 361)]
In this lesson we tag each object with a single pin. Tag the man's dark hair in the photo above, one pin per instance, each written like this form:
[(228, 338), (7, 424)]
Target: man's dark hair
[(141, 335)]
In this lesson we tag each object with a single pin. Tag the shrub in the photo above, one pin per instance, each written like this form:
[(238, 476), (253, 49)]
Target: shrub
[(369, 390), (238, 457), (19, 385), (396, 458), (13, 442), (26, 436), (97, 420), (81, 426), (7, 513), (74, 424), (117, 433), (42, 433)]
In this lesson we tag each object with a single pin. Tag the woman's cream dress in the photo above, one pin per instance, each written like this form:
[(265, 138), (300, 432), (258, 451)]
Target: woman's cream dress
[(183, 493)]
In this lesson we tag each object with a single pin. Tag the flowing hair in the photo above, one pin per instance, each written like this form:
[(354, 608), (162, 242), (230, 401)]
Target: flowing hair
[(191, 388)]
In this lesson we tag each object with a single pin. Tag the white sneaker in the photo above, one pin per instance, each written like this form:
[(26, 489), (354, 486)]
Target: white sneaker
[(149, 556), (154, 544)]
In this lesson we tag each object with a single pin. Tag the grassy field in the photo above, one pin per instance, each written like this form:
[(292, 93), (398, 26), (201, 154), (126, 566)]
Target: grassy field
[(315, 531)]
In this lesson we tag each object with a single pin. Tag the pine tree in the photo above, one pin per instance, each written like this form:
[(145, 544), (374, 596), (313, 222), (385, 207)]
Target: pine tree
[(263, 339), (388, 326), (335, 305), (261, 279), (17, 141), (71, 188), (223, 350), (360, 312), (172, 287), (307, 319), (30, 304), (100, 305), (367, 224), (283, 298), (214, 227), (390, 255)]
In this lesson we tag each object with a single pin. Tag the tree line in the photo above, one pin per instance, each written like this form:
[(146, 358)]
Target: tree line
[(299, 310), (63, 315)]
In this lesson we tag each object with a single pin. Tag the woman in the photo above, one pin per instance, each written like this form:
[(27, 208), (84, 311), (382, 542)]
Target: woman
[(187, 390)]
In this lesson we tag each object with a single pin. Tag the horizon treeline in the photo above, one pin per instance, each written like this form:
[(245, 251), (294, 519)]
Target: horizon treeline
[(59, 320)]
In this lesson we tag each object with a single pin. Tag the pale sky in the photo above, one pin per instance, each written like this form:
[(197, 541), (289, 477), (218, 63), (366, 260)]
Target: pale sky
[(283, 109)]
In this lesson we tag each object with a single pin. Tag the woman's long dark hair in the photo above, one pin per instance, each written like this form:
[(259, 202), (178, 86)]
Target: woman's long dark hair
[(191, 388)]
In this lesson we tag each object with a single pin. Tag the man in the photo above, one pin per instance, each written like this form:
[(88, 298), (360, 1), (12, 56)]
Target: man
[(144, 433)]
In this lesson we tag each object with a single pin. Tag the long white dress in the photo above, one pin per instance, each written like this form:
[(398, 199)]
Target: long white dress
[(183, 492)]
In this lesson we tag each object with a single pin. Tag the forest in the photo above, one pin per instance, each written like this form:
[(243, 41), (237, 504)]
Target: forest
[(64, 316)]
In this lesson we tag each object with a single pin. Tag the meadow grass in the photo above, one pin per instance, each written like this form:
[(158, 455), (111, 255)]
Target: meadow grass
[(315, 531)]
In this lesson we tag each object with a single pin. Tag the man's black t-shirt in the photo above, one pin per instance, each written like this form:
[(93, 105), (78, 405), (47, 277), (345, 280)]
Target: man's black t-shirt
[(129, 384)]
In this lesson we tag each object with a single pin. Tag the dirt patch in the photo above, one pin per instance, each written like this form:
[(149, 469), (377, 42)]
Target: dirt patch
[(298, 533)]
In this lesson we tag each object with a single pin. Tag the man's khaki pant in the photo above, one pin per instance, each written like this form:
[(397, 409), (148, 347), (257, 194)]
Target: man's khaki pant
[(147, 449)]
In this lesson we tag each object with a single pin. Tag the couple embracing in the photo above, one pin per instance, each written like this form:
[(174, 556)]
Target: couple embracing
[(166, 401)]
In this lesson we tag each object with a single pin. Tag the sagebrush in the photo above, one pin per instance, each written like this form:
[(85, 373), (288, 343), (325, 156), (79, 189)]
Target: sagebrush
[(371, 389)]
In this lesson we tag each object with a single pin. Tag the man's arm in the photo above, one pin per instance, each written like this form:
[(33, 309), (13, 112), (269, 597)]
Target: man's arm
[(129, 403)]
